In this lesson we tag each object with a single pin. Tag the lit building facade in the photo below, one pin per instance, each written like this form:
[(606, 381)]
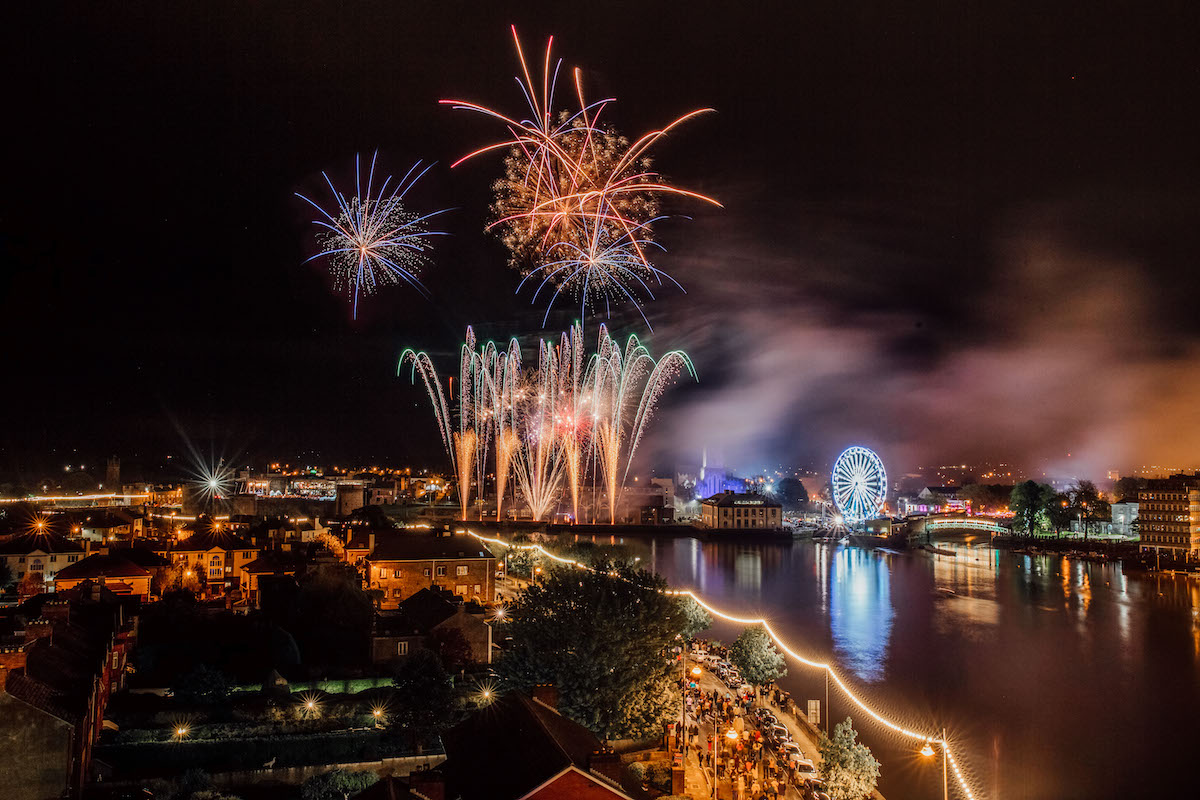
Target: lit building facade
[(1169, 515), (733, 511)]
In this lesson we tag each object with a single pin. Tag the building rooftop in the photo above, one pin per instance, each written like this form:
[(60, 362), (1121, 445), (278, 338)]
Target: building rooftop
[(209, 540), (100, 565), (25, 543), (406, 546), (728, 499), (508, 748)]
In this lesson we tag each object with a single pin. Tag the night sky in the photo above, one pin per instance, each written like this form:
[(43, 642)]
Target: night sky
[(952, 231)]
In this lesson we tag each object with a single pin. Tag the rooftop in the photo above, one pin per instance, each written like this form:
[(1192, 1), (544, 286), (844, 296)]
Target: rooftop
[(407, 546)]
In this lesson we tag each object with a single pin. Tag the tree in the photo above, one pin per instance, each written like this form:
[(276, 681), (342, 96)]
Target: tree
[(203, 685), (695, 618), (32, 584), (792, 494), (1059, 513), (451, 647), (986, 497), (1127, 488), (425, 701), (333, 616), (337, 784), (756, 658), (1087, 504), (1030, 501), (604, 642), (850, 771)]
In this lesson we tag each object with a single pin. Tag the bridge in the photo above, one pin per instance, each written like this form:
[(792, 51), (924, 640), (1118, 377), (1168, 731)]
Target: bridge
[(984, 524)]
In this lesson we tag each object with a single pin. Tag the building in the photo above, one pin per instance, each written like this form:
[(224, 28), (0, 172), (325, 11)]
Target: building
[(60, 661), (1124, 514), (42, 554), (268, 563), (1169, 516), (733, 511), (402, 564), (421, 619), (114, 572), (216, 556), (519, 748)]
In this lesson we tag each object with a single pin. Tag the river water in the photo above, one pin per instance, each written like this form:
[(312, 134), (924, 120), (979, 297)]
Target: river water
[(1053, 678)]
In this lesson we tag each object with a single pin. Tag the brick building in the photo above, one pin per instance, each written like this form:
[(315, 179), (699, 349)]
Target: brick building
[(421, 619), (61, 658), (402, 563), (112, 571)]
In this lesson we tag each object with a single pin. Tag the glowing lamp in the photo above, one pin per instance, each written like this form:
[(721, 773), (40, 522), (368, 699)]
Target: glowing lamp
[(731, 734), (927, 750)]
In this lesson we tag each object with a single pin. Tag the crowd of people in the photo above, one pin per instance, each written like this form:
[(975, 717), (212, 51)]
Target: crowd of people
[(726, 737)]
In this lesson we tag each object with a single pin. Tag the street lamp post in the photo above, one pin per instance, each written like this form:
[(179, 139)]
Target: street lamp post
[(927, 751)]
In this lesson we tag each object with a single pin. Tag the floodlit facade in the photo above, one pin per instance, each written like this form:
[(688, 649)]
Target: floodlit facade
[(733, 511), (1169, 515)]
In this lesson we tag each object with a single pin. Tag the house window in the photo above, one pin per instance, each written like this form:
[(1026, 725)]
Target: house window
[(395, 573), (427, 572), (461, 569), (21, 560), (397, 593), (215, 572), (441, 571), (478, 588), (36, 567), (461, 589), (72, 559), (401, 648), (215, 560), (53, 559)]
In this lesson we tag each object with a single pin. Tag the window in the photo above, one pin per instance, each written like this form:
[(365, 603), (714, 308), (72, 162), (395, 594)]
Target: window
[(36, 567), (441, 571), (401, 648), (215, 560), (72, 559), (427, 572), (53, 559), (397, 593), (21, 560), (461, 569), (461, 589), (215, 572), (478, 589)]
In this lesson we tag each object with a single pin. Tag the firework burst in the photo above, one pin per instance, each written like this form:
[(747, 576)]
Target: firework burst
[(577, 201), (371, 239)]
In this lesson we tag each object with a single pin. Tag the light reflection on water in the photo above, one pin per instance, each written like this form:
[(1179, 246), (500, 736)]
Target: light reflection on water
[(860, 612), (1060, 678)]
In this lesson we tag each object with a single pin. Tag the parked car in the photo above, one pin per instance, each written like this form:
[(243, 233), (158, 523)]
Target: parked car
[(765, 717), (793, 750), (778, 734), (806, 773)]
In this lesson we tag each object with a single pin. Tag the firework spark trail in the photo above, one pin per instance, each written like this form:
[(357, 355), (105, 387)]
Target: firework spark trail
[(576, 191), (371, 238), (549, 422)]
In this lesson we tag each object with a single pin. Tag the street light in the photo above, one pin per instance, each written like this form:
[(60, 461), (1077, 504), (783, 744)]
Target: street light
[(927, 751)]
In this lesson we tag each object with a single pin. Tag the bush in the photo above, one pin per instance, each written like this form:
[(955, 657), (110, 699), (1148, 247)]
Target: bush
[(336, 785), (203, 685)]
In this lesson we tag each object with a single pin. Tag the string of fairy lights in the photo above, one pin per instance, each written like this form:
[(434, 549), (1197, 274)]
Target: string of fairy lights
[(939, 740)]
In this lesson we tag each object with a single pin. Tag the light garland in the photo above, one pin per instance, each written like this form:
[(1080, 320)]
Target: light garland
[(780, 643)]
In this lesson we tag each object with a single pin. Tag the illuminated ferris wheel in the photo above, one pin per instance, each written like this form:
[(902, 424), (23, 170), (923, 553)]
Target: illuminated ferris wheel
[(859, 484)]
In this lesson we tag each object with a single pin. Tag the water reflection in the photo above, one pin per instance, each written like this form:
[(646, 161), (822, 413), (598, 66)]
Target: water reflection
[(860, 612)]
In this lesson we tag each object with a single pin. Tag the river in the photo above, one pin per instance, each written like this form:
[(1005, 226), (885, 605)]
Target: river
[(1053, 678)]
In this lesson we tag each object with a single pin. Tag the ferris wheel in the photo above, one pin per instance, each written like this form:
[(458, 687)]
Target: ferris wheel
[(859, 484)]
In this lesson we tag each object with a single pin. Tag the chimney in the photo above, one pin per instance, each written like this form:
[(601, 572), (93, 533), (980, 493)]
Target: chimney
[(57, 611), (39, 629), (427, 783), (12, 658), (547, 695)]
